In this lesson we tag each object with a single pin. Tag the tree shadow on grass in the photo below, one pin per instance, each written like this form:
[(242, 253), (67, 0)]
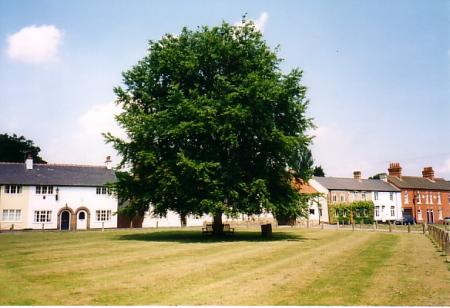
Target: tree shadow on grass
[(198, 237)]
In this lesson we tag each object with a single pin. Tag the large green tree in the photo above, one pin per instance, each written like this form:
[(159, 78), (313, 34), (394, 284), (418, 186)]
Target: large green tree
[(16, 149), (214, 126)]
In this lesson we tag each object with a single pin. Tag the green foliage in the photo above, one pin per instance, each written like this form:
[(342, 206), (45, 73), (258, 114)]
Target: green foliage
[(15, 149), (318, 171), (213, 126), (357, 211)]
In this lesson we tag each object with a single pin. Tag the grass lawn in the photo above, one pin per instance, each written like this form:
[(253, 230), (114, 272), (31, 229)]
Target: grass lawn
[(171, 267)]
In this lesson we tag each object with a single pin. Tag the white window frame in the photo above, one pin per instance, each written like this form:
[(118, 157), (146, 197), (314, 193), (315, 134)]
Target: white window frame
[(341, 198), (439, 199), (377, 211), (11, 215), (391, 196), (334, 198), (375, 195), (419, 198), (13, 189), (42, 216), (392, 211), (44, 190), (406, 197), (103, 215)]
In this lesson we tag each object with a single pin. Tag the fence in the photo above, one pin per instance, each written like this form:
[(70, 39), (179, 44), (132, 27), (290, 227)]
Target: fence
[(441, 237)]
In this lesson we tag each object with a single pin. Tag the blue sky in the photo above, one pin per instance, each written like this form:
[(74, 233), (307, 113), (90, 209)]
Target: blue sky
[(378, 72)]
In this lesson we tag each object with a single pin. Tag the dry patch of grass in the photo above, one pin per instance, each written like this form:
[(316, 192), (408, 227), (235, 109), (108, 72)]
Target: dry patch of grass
[(180, 267)]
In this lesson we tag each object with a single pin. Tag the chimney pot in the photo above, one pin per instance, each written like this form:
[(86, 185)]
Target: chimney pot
[(395, 170), (357, 175), (29, 162), (428, 173), (108, 162)]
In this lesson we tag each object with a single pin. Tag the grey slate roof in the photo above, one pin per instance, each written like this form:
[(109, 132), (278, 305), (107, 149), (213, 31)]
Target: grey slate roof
[(351, 184), (417, 182), (62, 175)]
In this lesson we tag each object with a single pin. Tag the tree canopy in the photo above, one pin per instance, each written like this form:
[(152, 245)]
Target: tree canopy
[(214, 126), (16, 149), (318, 171)]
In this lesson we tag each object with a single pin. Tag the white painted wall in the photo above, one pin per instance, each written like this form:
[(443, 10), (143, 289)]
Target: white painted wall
[(323, 200), (384, 200), (172, 220), (74, 198)]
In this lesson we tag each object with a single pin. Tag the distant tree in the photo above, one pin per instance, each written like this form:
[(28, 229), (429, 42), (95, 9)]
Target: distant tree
[(376, 176), (214, 126), (318, 171), (15, 149)]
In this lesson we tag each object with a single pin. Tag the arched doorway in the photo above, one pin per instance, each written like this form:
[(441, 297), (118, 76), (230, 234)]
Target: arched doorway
[(65, 220), (82, 220)]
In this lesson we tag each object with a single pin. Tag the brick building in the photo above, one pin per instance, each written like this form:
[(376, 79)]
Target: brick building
[(425, 198)]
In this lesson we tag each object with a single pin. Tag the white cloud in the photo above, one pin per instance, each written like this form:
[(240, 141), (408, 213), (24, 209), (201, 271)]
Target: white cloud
[(35, 44), (260, 22), (83, 142)]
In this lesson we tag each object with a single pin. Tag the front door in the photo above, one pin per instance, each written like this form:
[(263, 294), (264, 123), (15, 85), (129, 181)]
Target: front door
[(65, 220), (430, 216), (82, 220)]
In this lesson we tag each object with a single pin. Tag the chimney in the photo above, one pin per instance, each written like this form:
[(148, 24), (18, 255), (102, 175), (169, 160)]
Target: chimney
[(357, 175), (395, 170), (383, 177), (29, 162), (108, 162), (428, 173)]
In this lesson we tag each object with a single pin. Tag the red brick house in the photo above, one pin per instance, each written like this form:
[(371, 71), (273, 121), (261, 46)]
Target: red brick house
[(425, 198)]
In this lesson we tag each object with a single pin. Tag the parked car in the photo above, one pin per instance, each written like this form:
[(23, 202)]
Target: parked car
[(408, 220), (447, 220)]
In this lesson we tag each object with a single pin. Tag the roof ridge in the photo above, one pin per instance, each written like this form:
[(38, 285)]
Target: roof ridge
[(72, 165), (350, 178)]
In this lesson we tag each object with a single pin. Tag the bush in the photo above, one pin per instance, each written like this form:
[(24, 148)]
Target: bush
[(357, 212)]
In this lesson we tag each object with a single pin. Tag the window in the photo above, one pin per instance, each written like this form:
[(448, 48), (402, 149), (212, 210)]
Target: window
[(426, 197), (81, 216), (357, 212), (419, 214), (439, 198), (311, 211), (363, 196), (101, 190), (366, 213), (103, 215), (44, 190), (336, 213), (42, 216), (320, 212), (355, 195), (342, 198), (440, 213), (334, 198), (392, 211), (375, 195), (11, 215), (377, 211), (344, 214), (13, 189), (418, 198), (405, 197), (391, 196)]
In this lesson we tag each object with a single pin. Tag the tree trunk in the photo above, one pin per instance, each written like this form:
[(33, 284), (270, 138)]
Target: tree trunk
[(217, 224)]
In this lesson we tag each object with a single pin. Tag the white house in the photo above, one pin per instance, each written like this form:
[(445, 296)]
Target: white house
[(386, 197), (62, 197)]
